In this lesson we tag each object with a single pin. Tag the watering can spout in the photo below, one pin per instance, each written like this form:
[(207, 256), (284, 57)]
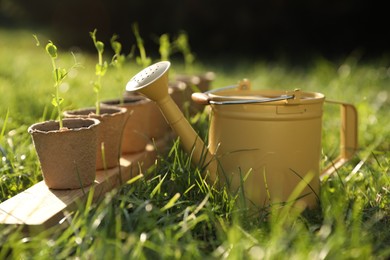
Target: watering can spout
[(152, 82)]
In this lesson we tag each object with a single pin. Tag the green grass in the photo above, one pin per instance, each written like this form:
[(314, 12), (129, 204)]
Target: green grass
[(172, 212)]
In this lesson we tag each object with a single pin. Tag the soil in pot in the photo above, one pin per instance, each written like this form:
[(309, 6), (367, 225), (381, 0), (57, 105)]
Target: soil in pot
[(112, 121), (68, 156), (144, 123)]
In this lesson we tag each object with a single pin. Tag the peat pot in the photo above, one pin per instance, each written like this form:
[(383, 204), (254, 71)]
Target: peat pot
[(68, 156), (178, 90), (263, 144), (197, 82), (185, 85), (145, 122), (109, 136)]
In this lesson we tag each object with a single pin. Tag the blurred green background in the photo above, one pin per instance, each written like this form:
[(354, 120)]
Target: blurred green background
[(295, 30)]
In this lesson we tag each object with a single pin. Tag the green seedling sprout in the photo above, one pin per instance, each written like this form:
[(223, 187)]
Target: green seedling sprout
[(118, 59), (182, 45), (142, 60), (59, 74), (165, 47), (100, 69)]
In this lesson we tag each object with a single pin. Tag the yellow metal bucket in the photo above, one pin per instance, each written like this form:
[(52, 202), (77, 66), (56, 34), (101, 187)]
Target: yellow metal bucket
[(271, 151)]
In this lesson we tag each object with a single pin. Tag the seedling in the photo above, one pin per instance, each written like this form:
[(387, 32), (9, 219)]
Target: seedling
[(119, 58), (142, 60), (165, 47), (100, 69), (59, 74), (182, 45)]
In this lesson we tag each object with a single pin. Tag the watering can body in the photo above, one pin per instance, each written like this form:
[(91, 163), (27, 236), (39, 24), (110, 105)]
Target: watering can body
[(263, 144), (267, 149)]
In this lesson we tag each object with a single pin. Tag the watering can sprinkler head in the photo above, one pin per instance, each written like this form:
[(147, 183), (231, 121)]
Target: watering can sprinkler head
[(152, 81)]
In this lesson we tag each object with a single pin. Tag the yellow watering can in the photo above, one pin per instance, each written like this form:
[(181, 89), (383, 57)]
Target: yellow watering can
[(265, 142)]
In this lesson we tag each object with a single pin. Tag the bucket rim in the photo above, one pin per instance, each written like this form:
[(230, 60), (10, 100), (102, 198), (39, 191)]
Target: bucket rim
[(305, 97)]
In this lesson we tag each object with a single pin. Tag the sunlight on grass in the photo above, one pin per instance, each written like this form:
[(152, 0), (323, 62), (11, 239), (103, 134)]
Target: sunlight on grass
[(171, 211)]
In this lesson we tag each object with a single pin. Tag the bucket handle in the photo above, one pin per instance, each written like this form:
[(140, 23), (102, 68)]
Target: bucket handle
[(348, 137), (245, 84)]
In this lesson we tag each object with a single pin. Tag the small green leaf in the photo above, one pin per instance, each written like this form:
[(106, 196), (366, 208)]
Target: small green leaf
[(93, 35), (57, 102), (59, 74), (96, 87), (101, 69), (51, 49), (63, 73), (182, 41), (190, 58), (118, 60), (98, 69), (165, 47), (121, 59), (100, 46), (117, 47)]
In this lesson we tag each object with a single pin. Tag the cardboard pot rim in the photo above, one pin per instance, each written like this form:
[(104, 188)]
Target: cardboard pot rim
[(207, 76), (45, 126), (89, 112), (127, 100), (177, 85)]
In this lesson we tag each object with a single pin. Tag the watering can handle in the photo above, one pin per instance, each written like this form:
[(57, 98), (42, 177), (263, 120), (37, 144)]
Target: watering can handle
[(348, 136)]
